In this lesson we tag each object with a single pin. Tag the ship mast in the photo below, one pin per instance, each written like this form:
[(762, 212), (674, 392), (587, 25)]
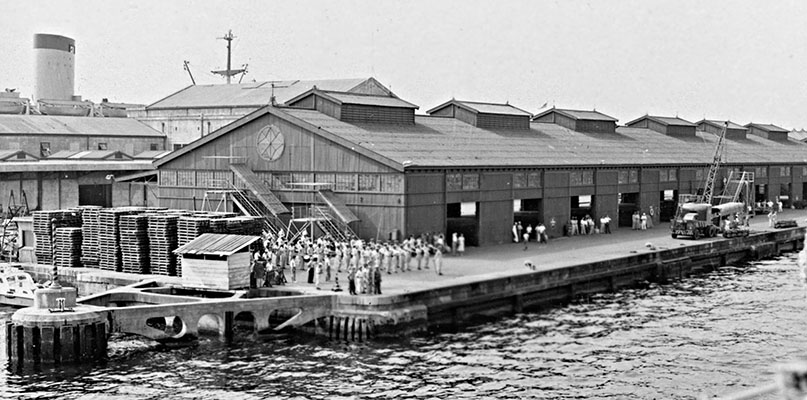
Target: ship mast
[(229, 72)]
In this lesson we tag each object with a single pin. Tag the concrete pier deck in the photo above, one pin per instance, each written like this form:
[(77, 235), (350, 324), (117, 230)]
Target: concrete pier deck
[(508, 259)]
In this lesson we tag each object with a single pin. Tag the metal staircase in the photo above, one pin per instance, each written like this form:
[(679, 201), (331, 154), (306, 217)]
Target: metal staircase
[(331, 226), (271, 223)]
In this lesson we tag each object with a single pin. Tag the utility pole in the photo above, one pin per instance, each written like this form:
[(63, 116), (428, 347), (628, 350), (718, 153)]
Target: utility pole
[(229, 72)]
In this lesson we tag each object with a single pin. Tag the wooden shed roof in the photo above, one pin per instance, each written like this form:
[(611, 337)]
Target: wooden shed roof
[(255, 94), (720, 124), (767, 127), (83, 126), (483, 108), (673, 121), (584, 115), (216, 244)]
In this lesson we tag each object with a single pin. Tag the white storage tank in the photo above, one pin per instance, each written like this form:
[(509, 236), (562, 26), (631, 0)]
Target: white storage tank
[(54, 59)]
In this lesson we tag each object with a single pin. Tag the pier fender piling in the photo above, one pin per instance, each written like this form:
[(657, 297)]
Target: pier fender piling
[(56, 330)]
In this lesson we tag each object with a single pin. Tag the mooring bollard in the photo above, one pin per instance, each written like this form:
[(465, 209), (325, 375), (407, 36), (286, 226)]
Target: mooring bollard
[(56, 330)]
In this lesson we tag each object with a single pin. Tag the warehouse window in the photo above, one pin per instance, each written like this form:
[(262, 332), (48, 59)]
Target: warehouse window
[(784, 171), (453, 182), (44, 149), (575, 178), (102, 146), (186, 178), (623, 177), (534, 179), (168, 178), (663, 176), (346, 182), (280, 180), (392, 183), (519, 180), (470, 181), (761, 172), (368, 183), (673, 175), (699, 175), (153, 147), (634, 176), (468, 209)]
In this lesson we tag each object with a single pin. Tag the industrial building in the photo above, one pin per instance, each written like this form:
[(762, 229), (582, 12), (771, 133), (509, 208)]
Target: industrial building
[(470, 167), (198, 110)]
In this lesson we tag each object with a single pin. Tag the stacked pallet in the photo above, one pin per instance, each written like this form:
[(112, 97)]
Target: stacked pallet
[(162, 233), (44, 224), (218, 225), (68, 247), (109, 238), (134, 243), (89, 235), (244, 226), (189, 228)]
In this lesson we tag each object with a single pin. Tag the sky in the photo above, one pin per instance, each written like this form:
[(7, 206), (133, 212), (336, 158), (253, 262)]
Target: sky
[(738, 60)]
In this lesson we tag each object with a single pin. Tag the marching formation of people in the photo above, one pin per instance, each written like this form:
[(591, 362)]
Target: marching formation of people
[(364, 262)]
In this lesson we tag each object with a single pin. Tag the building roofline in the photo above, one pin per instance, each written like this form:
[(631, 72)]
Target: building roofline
[(468, 105), (564, 112), (278, 112), (655, 118), (172, 94), (326, 94)]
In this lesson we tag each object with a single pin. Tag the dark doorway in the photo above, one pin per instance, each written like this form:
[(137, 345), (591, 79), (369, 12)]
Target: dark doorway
[(628, 204), (785, 195), (528, 211), (582, 206), (463, 218), (667, 205), (95, 195)]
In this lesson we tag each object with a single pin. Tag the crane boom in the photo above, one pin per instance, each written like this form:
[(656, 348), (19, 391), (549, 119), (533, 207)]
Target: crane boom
[(708, 188)]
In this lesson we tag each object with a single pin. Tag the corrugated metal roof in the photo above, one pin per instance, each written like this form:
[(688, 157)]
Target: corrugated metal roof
[(216, 244), (8, 154), (484, 108), (368, 100), (61, 154), (674, 121), (250, 94), (100, 155), (152, 154), (719, 124), (64, 125), (800, 134), (448, 142), (45, 165), (578, 114), (767, 127)]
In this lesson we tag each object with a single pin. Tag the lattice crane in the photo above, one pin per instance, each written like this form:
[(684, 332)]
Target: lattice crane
[(708, 188)]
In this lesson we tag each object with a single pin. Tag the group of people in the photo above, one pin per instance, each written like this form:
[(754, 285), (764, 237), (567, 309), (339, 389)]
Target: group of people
[(364, 262), (522, 234), (643, 221), (583, 226)]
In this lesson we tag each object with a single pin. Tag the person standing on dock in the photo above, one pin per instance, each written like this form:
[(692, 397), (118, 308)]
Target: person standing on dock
[(651, 215), (540, 232), (526, 237), (461, 245), (607, 223), (377, 280), (454, 239), (515, 232), (643, 223), (438, 261), (351, 281), (317, 271)]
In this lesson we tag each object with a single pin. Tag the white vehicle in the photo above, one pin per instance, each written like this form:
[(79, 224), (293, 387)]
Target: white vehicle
[(16, 287)]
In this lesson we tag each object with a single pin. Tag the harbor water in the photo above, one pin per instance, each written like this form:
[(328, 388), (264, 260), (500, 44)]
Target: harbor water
[(713, 334)]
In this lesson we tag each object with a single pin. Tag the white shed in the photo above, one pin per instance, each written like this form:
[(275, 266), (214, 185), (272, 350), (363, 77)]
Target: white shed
[(216, 261)]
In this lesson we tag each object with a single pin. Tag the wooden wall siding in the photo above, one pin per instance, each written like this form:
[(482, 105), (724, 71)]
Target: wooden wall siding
[(530, 193), (425, 183), (370, 86), (730, 133), (596, 126), (546, 119), (351, 199), (643, 123), (494, 121), (735, 134), (304, 152), (674, 130), (566, 122), (495, 222), (31, 143), (328, 107), (606, 204), (378, 222), (306, 102), (375, 114), (655, 126), (557, 209), (426, 218), (464, 115), (447, 111)]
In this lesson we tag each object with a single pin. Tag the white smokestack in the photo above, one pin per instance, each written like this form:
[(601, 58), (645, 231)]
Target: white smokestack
[(55, 60)]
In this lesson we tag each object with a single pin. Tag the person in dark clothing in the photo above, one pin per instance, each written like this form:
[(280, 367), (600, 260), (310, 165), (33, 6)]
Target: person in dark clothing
[(351, 281), (377, 280)]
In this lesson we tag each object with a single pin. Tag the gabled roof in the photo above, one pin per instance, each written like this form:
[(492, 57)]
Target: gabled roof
[(64, 125), (483, 108), (673, 121), (12, 155), (800, 134), (151, 155), (577, 114), (720, 124), (353, 98), (256, 94), (61, 154), (277, 112), (100, 155), (767, 127), (216, 244)]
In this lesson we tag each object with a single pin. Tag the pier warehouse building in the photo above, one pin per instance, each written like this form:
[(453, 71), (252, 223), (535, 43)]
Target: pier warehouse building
[(469, 167)]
